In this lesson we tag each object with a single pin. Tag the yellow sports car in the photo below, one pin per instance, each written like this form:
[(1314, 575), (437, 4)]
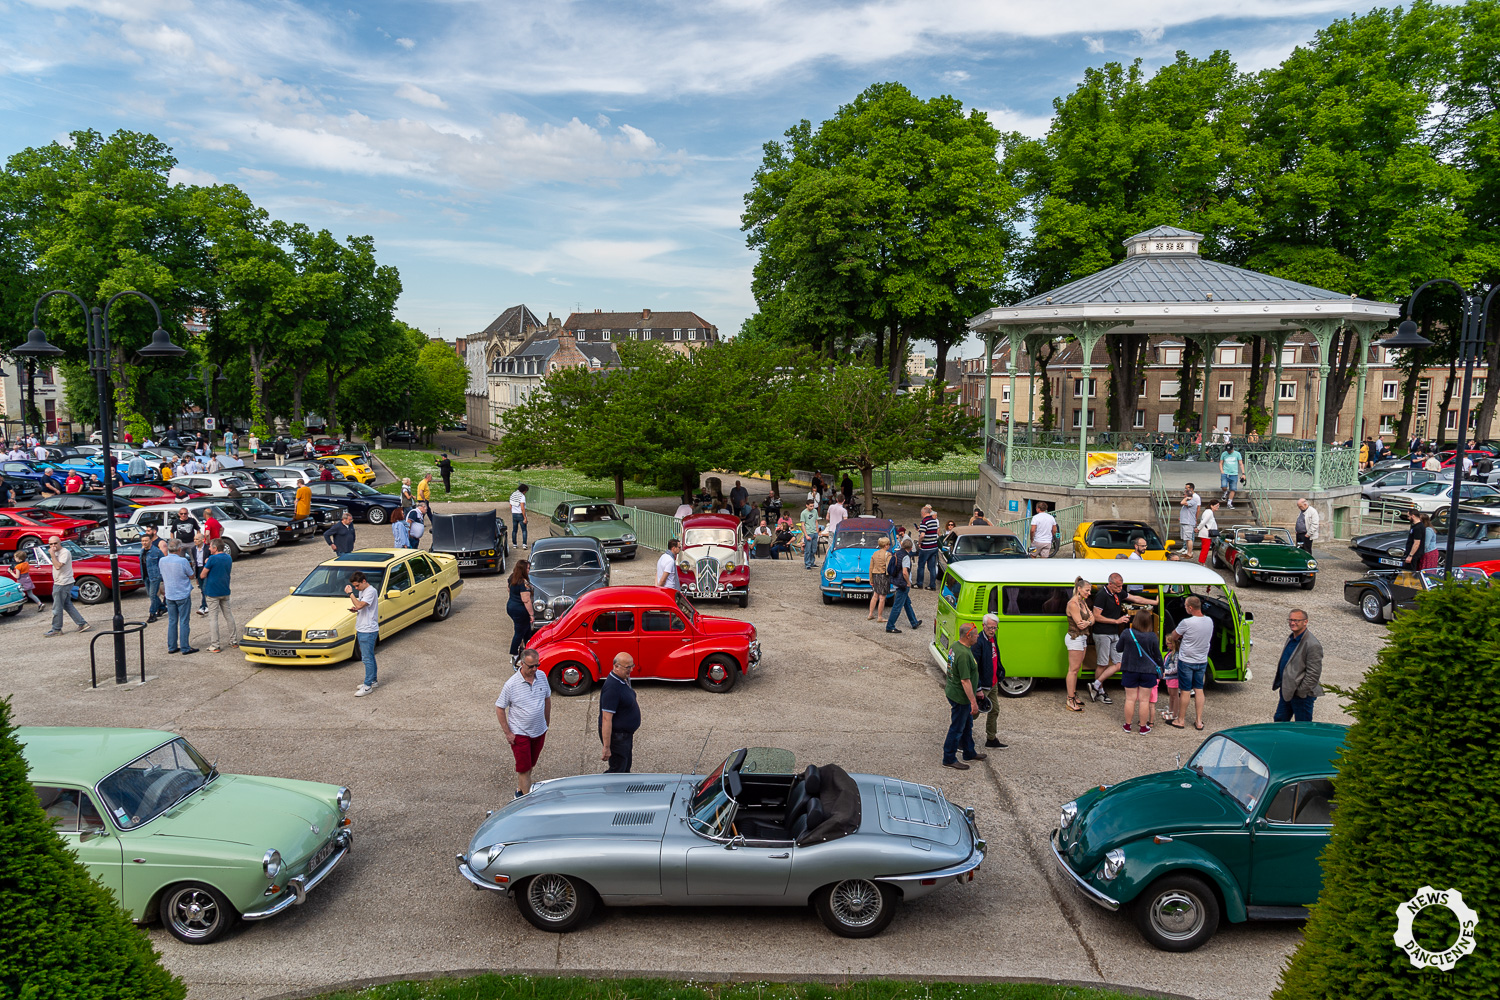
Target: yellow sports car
[(1108, 539), (315, 624), (351, 468)]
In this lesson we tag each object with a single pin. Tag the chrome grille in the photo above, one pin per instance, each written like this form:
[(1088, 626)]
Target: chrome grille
[(708, 575), (284, 634), (633, 819)]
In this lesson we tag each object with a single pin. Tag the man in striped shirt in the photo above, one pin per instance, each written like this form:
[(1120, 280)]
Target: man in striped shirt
[(518, 514), (927, 553)]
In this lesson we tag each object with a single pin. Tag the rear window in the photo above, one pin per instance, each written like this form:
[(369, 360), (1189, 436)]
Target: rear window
[(989, 545), (1036, 600)]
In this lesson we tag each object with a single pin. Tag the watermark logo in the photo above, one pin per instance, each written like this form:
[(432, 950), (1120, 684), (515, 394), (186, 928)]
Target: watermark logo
[(1420, 957)]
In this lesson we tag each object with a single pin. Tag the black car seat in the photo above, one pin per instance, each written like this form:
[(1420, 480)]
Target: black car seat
[(811, 818), (1098, 538), (808, 787)]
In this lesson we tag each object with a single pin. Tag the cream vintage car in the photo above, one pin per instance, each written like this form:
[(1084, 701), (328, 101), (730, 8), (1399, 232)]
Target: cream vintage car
[(315, 623)]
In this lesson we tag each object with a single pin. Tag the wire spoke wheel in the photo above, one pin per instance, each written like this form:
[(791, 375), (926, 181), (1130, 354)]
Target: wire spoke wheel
[(552, 897), (856, 902)]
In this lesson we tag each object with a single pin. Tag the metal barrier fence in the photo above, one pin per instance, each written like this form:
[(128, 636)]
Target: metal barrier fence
[(1293, 470), (1068, 519), (653, 530), (928, 484)]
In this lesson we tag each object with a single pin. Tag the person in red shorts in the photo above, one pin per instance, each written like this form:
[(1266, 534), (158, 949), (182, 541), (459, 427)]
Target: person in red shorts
[(524, 709)]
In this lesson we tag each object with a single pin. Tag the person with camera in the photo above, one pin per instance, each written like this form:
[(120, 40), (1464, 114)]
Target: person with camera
[(991, 672), (963, 703)]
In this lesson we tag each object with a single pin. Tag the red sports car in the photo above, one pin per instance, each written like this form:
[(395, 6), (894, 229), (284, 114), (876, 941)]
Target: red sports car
[(18, 529), (90, 572), (669, 639), (326, 446), (1490, 567), (56, 520), (151, 494), (715, 558)]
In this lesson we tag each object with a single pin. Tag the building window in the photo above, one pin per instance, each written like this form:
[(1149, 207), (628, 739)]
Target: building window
[(635, 335), (1476, 390), (1288, 390), (1078, 388), (1450, 421), (676, 334), (49, 411), (1388, 391), (594, 363), (1228, 356), (47, 376), (1226, 390), (1140, 419), (1171, 355), (1289, 355), (1392, 355), (1076, 417), (554, 366), (692, 334), (1387, 423), (604, 334), (1170, 390)]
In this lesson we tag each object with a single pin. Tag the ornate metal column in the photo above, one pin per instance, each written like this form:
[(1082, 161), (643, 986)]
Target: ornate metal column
[(1324, 330), (1365, 331), (1010, 423), (1088, 334), (989, 371)]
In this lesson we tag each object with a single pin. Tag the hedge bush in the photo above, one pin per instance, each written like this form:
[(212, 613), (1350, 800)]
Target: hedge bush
[(1418, 794), (62, 935)]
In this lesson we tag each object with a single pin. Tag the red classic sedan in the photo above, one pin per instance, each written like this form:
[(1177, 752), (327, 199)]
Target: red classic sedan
[(90, 572), (17, 529), (669, 639), (715, 558)]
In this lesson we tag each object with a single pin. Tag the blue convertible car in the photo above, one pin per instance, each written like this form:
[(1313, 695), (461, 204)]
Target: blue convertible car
[(12, 600), (846, 567)]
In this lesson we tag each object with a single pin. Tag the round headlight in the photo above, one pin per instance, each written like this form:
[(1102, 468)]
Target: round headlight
[(271, 863), (538, 605), (1069, 814), (1312, 564), (1252, 561), (829, 574), (1395, 552), (487, 856), (344, 799), (729, 564), (1114, 863)]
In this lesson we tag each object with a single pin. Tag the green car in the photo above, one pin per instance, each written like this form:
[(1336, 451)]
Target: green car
[(173, 838), (603, 521), (1264, 555), (1235, 835)]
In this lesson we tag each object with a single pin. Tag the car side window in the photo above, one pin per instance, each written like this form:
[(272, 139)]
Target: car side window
[(660, 621), (560, 515), (1304, 803), (70, 810), (422, 568), (625, 621), (400, 579), (605, 622)]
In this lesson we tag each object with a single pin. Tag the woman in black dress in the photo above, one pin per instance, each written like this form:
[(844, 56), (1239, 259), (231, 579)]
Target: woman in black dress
[(519, 608)]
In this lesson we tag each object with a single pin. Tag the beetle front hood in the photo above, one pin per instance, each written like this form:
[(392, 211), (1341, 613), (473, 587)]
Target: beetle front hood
[(242, 809), (589, 806), (1167, 802)]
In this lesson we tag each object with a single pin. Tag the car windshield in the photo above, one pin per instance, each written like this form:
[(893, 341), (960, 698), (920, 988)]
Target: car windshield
[(1264, 536), (255, 505), (565, 559), (595, 512), (711, 809), (1122, 536), (360, 489), (153, 783), (988, 545), (688, 611), (708, 536), (1233, 768), (1469, 574), (330, 580), (858, 539)]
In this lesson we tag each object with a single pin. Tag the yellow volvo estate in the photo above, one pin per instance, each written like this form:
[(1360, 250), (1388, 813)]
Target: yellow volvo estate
[(315, 624)]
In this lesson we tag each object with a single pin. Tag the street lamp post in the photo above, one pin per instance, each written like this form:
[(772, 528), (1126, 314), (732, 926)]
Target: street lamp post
[(1476, 307), (208, 373), (96, 323), (410, 432)]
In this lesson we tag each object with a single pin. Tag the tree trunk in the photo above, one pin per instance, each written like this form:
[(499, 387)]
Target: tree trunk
[(880, 349), (898, 352), (1482, 428), (1042, 355), (689, 486), (1343, 368), (1448, 388), (1186, 418), (944, 342), (1415, 362), (620, 487), (867, 477), (1262, 363), (1126, 354), (297, 382)]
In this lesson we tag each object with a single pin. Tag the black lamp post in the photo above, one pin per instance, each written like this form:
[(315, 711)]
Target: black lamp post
[(410, 432), (206, 374), (1476, 307), (96, 322)]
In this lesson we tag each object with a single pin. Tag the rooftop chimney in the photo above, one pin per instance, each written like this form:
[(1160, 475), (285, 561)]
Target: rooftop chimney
[(645, 314), (598, 311)]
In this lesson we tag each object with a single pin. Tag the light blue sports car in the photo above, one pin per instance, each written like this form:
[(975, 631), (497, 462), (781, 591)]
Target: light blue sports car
[(11, 598), (846, 567)]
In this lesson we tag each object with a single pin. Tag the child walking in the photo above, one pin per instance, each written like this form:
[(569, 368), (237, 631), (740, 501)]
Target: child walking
[(22, 568)]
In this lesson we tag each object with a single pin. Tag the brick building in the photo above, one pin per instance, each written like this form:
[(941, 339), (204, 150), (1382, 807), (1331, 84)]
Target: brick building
[(682, 331)]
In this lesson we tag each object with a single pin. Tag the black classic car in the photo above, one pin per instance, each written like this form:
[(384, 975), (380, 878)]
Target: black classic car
[(88, 506), (289, 527), (295, 447), (283, 502), (1477, 540), (1380, 593), (477, 540), (563, 570)]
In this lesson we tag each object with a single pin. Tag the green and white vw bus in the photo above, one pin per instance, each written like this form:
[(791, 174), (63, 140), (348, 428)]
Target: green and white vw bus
[(1030, 597)]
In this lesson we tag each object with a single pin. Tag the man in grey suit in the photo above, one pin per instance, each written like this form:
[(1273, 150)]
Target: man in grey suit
[(1298, 672)]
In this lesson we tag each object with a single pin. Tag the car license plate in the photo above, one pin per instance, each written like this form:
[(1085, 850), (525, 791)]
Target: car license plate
[(468, 562), (1390, 562), (320, 857), (1283, 579), (281, 652)]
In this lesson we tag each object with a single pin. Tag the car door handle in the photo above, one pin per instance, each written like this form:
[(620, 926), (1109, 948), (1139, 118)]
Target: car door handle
[(783, 854)]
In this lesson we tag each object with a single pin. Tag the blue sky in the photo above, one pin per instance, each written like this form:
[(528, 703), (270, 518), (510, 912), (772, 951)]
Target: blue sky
[(565, 154)]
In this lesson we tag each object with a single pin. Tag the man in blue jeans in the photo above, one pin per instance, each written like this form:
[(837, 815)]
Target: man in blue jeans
[(963, 704), (518, 514), (927, 550), (1193, 638), (899, 572), (365, 604), (809, 520), (177, 581), (151, 554), (1298, 672)]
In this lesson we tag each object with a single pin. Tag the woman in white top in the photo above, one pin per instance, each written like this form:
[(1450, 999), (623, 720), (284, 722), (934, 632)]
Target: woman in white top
[(1208, 527)]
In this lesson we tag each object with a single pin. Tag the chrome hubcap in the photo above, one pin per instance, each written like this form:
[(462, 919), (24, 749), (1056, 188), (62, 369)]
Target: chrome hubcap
[(552, 897), (1177, 915), (571, 676), (856, 903), (194, 913), (717, 673), (1015, 685), (442, 605), (1372, 606)]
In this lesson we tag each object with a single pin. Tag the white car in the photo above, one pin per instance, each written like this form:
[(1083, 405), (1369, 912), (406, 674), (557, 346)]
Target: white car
[(295, 473), (214, 484), (241, 536), (1435, 495)]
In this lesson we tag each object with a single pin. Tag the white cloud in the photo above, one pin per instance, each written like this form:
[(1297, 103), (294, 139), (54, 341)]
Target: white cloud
[(1008, 120), (187, 175), (955, 76), (1095, 45), (1151, 35), (406, 43), (426, 98)]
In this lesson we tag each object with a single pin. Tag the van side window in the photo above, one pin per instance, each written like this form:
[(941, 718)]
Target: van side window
[(949, 593), (1036, 600)]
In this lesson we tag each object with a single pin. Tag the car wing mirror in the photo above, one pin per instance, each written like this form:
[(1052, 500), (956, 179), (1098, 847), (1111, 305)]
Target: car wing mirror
[(291, 590), (735, 842), (1249, 616), (392, 594)]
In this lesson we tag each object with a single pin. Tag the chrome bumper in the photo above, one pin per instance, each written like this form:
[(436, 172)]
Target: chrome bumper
[(297, 889), (919, 884), (1093, 894), (475, 880)]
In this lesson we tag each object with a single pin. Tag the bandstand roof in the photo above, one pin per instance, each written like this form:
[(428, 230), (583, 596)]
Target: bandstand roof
[(1164, 287)]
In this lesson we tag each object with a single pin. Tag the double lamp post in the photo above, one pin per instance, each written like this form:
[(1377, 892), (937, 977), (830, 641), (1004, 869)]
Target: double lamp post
[(96, 323)]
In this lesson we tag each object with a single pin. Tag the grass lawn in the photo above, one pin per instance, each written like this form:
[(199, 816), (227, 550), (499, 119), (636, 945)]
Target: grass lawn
[(479, 481), (498, 987)]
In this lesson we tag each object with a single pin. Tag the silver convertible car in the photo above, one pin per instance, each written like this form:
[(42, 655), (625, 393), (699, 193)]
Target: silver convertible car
[(754, 832)]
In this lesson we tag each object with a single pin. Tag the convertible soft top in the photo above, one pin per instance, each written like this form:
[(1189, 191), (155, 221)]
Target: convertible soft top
[(841, 807)]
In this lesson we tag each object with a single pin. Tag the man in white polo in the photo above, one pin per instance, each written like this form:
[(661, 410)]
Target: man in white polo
[(524, 709), (666, 566), (1043, 528), (518, 514)]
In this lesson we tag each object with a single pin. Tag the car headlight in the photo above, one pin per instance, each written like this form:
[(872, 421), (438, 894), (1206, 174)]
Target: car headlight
[(1114, 863), (487, 856), (1312, 564), (627, 537), (829, 574), (538, 605), (1394, 552), (686, 564), (344, 799), (1069, 814), (1252, 561), (251, 632), (729, 564), (316, 634), (271, 863), (547, 615)]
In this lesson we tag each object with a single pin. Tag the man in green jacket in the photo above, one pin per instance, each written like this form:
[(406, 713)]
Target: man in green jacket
[(963, 681)]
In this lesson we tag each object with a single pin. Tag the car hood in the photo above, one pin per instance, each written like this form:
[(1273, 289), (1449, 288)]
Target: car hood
[(1381, 540), (601, 529), (1171, 801), (260, 813), (565, 583), (597, 806), (1277, 556), (1413, 498), (850, 560), (718, 553), (306, 613), (716, 625)]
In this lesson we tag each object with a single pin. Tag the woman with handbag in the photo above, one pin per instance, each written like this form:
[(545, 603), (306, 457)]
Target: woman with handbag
[(1208, 530), (519, 608), (1142, 668), (1080, 619)]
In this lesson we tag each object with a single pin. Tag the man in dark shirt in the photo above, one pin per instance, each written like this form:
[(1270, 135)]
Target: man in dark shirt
[(445, 468), (963, 701), (340, 537), (991, 670), (151, 554), (1416, 539), (619, 716), (739, 495), (1109, 616), (184, 527)]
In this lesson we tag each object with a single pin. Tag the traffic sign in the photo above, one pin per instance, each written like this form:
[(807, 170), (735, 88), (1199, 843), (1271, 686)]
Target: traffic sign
[(208, 424)]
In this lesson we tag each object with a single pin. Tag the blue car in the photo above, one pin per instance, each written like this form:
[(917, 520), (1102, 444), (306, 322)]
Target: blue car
[(846, 567), (85, 466), (11, 598), (18, 471)]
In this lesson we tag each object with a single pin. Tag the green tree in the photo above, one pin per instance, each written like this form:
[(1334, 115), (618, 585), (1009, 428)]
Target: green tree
[(62, 935), (438, 395), (1416, 782)]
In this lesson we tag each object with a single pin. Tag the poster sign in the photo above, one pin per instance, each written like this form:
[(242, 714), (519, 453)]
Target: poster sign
[(1119, 468), (1014, 506)]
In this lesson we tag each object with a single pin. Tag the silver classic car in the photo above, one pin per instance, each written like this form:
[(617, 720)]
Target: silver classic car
[(755, 832)]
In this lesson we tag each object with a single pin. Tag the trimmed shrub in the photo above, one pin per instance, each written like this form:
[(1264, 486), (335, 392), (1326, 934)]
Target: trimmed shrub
[(62, 935), (1418, 793)]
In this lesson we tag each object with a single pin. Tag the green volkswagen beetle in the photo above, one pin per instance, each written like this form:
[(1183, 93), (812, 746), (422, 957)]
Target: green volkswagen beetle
[(173, 838), (603, 521), (1264, 555), (1235, 835)]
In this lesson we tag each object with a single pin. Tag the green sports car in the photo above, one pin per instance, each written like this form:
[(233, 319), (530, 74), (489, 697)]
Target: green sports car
[(173, 838), (603, 521), (1264, 555)]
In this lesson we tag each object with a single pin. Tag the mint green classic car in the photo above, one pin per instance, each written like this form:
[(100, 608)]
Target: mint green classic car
[(597, 519), (1235, 835), (173, 838)]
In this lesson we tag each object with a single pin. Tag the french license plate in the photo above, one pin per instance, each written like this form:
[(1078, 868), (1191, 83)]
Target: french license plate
[(281, 652), (1283, 579), (610, 550), (468, 562), (1390, 562), (320, 857)]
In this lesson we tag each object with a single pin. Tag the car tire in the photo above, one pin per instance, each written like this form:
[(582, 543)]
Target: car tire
[(856, 907), (195, 913), (91, 590), (556, 903), (234, 550), (1016, 687), (827, 599), (1372, 607), (1309, 583), (376, 515), (744, 600), (442, 606), (570, 679), (25, 543), (1178, 912), (710, 671), (1241, 581)]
